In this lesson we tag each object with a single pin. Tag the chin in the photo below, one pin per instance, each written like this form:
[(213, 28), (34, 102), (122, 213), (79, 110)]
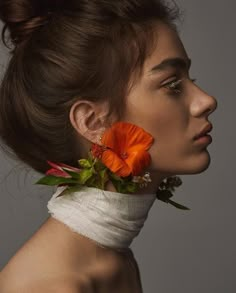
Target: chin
[(192, 165), (195, 165), (199, 164)]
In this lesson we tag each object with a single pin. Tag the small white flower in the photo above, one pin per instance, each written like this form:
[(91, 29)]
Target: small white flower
[(142, 180), (147, 177)]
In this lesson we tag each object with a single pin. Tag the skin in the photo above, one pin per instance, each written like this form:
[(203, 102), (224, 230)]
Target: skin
[(172, 116), (173, 119)]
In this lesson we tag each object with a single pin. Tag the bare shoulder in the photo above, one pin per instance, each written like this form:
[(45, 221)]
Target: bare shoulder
[(51, 285)]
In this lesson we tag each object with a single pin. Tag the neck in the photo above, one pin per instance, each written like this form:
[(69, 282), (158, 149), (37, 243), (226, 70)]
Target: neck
[(76, 250), (109, 218)]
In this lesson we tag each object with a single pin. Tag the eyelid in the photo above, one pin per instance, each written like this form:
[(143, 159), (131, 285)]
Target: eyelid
[(178, 81), (174, 84)]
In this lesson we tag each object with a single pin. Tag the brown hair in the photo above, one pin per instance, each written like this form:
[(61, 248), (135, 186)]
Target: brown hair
[(64, 51)]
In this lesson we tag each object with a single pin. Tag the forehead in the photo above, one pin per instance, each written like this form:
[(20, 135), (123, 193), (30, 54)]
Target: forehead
[(167, 45)]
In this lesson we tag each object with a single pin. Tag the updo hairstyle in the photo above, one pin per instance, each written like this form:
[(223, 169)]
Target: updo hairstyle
[(62, 51)]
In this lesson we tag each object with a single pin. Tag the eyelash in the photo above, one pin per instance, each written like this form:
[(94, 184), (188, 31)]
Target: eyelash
[(175, 85)]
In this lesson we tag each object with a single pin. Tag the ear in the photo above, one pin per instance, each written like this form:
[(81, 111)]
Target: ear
[(89, 119)]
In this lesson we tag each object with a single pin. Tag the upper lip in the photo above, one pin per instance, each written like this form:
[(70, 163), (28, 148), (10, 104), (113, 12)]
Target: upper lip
[(204, 131)]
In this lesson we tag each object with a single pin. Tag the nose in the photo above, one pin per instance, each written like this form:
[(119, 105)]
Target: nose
[(202, 104)]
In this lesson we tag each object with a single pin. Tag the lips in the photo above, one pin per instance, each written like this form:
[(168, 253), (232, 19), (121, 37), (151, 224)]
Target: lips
[(204, 131)]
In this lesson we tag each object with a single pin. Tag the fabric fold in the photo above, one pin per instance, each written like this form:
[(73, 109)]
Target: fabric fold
[(111, 219)]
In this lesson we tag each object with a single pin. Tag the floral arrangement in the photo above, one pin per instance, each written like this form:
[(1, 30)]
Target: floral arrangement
[(121, 158)]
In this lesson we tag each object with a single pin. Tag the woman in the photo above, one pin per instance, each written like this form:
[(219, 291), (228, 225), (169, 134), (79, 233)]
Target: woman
[(112, 78)]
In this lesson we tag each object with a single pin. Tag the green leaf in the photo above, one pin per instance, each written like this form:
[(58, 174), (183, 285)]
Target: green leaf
[(98, 165), (92, 182), (90, 157), (69, 189), (103, 174), (54, 180), (115, 177), (73, 174), (131, 187), (85, 163), (164, 195), (85, 175), (124, 186), (177, 205)]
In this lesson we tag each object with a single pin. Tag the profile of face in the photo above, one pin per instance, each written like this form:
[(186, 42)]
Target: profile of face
[(171, 107), (165, 102)]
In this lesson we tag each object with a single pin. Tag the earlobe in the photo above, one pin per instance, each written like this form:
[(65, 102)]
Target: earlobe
[(88, 119)]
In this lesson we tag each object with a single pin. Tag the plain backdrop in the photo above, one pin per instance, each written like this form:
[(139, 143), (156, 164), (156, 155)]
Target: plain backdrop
[(177, 251)]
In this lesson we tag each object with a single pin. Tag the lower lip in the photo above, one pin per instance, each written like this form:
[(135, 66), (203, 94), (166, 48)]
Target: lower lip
[(206, 139)]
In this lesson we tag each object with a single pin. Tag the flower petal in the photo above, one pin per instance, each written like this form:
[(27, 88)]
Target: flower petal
[(58, 173), (115, 164), (69, 168), (61, 166), (137, 161), (129, 143), (122, 135), (54, 165)]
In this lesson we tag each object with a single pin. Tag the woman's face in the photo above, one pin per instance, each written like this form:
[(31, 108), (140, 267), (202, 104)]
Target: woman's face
[(172, 113)]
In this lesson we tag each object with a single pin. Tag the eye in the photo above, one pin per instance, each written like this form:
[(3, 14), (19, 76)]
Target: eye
[(176, 85)]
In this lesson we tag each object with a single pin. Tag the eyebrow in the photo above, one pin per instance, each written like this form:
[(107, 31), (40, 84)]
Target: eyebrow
[(177, 62)]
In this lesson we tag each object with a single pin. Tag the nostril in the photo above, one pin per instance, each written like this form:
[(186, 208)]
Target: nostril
[(212, 108), (209, 110)]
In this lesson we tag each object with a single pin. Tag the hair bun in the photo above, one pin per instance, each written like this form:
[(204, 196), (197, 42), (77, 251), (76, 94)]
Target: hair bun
[(22, 17)]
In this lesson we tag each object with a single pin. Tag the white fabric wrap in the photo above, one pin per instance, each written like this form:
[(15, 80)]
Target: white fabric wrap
[(111, 219)]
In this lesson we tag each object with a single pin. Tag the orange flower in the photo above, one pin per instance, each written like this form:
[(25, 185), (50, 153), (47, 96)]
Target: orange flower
[(126, 149)]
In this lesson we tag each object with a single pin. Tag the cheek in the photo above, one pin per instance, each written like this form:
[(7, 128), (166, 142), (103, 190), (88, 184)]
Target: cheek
[(164, 119), (167, 121), (167, 155), (165, 130), (147, 112), (170, 143)]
